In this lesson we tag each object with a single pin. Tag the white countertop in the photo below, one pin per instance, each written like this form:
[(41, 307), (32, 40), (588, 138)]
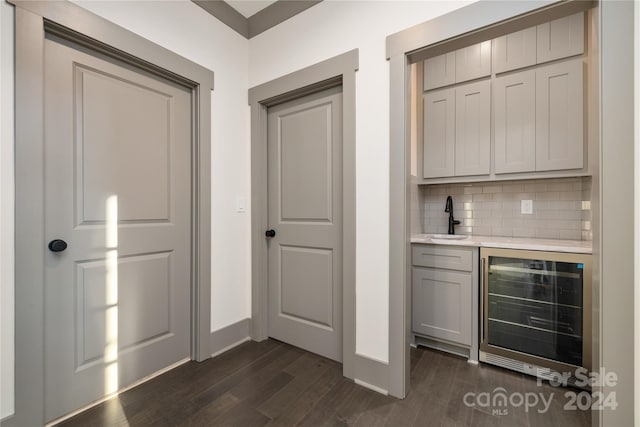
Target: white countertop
[(551, 245)]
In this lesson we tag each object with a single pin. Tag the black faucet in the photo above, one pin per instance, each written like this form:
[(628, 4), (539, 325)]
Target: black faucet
[(448, 207)]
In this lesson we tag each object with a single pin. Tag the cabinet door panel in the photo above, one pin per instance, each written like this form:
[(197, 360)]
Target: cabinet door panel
[(473, 62), (473, 130), (560, 38), (442, 304), (440, 71), (514, 123), (439, 133), (515, 50), (559, 116)]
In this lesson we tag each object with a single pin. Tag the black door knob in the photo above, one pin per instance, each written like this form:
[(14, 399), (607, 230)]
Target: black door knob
[(57, 245), (270, 233)]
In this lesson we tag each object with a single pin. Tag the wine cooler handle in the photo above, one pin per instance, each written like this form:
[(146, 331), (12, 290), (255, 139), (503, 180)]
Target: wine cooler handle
[(482, 300)]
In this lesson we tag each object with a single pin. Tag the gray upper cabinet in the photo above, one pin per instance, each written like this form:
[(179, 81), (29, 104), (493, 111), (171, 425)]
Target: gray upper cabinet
[(514, 51), (469, 63), (514, 121), (561, 38), (559, 116), (439, 133), (473, 129), (440, 71), (457, 131), (473, 62), (513, 105)]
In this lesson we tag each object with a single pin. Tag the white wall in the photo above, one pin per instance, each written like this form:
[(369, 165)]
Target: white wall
[(186, 29), (6, 210), (321, 32)]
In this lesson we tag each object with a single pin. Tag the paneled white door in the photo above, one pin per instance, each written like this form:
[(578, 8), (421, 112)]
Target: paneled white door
[(305, 215), (118, 193)]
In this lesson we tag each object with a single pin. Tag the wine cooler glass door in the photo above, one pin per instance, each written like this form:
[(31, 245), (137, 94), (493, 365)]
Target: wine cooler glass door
[(535, 306)]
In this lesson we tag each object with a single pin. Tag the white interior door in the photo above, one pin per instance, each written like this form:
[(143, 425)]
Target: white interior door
[(118, 192), (305, 212)]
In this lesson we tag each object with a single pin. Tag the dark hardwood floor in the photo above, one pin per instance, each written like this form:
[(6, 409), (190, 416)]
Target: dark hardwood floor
[(272, 383)]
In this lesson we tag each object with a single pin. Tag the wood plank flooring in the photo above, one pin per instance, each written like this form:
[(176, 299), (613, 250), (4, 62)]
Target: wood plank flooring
[(274, 384)]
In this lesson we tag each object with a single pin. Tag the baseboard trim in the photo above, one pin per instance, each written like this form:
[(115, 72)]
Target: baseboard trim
[(458, 350), (371, 373), (228, 337), (371, 387)]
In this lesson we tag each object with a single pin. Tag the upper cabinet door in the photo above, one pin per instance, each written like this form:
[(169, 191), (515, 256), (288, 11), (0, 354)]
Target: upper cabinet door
[(440, 71), (559, 116), (561, 38), (473, 134), (514, 121), (439, 133), (473, 62), (515, 50)]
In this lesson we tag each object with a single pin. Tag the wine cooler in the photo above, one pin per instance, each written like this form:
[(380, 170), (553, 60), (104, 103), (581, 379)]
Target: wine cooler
[(536, 311)]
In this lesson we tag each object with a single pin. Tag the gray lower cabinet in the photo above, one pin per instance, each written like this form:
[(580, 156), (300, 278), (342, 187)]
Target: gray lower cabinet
[(442, 302), (445, 298)]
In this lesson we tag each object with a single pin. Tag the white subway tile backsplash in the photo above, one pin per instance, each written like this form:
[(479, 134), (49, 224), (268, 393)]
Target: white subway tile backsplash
[(481, 197), (491, 205), (535, 186), (472, 190), (571, 234), (492, 189), (561, 208), (547, 234), (513, 188), (524, 232)]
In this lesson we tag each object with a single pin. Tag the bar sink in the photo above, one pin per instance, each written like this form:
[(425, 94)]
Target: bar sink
[(448, 236)]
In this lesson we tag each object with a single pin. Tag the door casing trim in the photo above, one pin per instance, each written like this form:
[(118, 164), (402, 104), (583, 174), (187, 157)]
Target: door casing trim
[(339, 70), (33, 20)]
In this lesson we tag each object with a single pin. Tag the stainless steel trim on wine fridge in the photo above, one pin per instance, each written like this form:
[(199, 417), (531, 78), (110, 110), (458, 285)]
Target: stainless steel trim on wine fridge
[(510, 357)]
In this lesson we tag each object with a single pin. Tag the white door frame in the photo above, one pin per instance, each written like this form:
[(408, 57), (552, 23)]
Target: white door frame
[(33, 20), (339, 70)]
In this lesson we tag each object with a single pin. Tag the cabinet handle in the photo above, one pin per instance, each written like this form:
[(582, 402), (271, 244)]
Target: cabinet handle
[(482, 300)]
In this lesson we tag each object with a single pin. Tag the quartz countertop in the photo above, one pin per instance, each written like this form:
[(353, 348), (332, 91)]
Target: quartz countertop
[(551, 245)]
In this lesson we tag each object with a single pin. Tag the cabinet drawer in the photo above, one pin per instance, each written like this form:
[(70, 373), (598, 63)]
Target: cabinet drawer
[(438, 256), (442, 304)]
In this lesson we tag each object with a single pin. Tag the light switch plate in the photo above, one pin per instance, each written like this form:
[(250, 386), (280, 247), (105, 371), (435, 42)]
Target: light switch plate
[(241, 204), (526, 207)]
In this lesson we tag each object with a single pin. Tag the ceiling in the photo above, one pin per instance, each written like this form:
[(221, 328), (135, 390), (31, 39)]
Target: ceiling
[(251, 17), (249, 8)]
